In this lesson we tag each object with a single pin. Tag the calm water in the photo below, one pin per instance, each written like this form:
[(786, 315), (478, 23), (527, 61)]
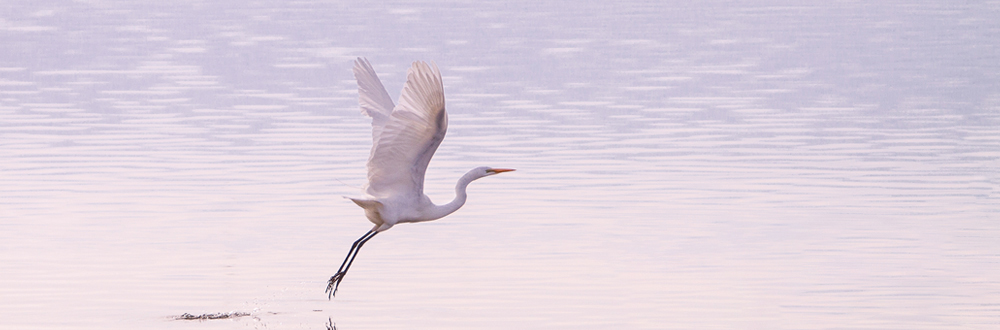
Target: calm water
[(725, 165)]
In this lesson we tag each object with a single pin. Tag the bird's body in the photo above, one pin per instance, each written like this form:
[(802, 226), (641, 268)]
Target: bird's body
[(404, 138), (392, 209)]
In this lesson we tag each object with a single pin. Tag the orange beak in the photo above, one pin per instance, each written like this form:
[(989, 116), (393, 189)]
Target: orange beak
[(500, 170)]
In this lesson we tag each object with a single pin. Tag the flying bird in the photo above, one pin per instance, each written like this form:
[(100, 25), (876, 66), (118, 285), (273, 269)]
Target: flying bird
[(404, 137)]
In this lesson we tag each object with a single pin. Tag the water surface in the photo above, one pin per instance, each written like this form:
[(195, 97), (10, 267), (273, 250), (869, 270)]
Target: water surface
[(713, 166)]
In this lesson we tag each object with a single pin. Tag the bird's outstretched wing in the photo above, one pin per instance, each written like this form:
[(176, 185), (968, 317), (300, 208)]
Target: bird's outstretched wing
[(413, 132), (374, 100)]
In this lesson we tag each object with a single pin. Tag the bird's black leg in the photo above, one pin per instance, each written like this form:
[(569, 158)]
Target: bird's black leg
[(354, 247), (358, 249), (334, 283)]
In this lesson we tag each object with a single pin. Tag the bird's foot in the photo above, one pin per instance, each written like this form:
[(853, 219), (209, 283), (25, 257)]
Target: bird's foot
[(331, 287)]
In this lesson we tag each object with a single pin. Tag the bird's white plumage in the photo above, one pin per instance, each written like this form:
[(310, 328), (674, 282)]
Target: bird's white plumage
[(412, 133), (404, 138), (372, 97), (403, 141)]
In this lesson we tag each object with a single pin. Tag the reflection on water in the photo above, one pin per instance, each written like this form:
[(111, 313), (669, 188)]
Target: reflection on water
[(699, 166)]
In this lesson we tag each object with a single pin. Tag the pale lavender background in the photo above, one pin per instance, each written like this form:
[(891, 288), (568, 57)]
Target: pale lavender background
[(720, 165)]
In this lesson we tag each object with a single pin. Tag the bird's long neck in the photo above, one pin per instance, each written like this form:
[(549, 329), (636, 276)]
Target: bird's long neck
[(460, 197)]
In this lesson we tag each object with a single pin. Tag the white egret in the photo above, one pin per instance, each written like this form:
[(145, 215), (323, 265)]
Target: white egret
[(404, 137)]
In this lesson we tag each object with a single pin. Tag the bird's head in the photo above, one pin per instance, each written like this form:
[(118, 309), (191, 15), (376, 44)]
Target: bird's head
[(484, 171), (492, 171)]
